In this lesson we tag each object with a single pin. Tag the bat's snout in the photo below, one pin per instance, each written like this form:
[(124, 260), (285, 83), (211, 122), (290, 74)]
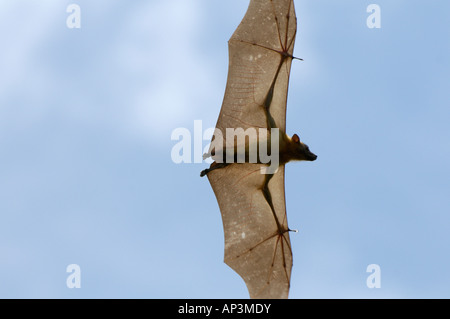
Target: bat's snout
[(311, 157), (308, 155)]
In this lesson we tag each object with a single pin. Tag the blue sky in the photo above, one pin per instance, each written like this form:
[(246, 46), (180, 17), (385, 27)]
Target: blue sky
[(86, 117)]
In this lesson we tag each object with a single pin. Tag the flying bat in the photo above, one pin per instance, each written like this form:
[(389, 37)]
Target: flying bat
[(249, 190)]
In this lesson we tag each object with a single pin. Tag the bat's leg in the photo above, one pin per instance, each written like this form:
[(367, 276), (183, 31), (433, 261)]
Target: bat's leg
[(281, 239), (268, 198), (213, 167)]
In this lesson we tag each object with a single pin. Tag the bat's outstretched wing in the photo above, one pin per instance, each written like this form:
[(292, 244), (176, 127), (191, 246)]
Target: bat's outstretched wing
[(253, 246), (257, 61), (252, 204)]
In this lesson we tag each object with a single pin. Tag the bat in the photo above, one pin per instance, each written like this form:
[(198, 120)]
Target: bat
[(249, 192)]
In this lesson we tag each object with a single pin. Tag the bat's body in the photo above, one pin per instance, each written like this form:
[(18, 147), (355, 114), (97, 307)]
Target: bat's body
[(257, 244), (289, 149)]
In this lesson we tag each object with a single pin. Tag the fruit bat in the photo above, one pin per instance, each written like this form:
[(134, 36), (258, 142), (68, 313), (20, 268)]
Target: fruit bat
[(251, 196)]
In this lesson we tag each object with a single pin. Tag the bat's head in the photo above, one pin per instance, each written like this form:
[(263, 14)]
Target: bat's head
[(300, 151)]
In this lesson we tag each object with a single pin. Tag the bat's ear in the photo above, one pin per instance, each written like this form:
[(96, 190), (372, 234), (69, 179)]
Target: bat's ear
[(295, 138)]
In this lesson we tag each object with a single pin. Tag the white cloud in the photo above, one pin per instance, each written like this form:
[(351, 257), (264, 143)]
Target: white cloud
[(160, 76), (158, 46), (24, 26)]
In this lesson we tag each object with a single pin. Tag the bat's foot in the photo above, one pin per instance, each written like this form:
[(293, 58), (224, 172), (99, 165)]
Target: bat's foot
[(206, 155), (213, 167)]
